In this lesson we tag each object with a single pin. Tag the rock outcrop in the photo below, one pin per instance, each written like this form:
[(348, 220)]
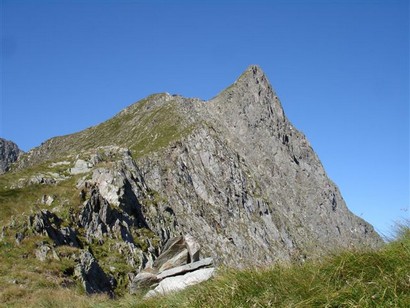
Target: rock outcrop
[(9, 153), (176, 268), (92, 276), (49, 224)]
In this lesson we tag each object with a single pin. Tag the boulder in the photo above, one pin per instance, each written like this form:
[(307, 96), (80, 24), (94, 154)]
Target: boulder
[(47, 200), (180, 260), (193, 248), (42, 251), (190, 267), (180, 282), (45, 251), (143, 280), (175, 253), (81, 166)]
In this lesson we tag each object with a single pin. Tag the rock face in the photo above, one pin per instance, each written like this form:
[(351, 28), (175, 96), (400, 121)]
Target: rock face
[(9, 153), (169, 177), (241, 178), (49, 224), (248, 185)]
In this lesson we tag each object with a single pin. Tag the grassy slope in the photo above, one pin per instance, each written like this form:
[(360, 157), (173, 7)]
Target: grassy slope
[(23, 278), (144, 127), (350, 279)]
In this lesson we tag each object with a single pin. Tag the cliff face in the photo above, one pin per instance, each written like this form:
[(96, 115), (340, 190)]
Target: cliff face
[(249, 186), (9, 153), (232, 172)]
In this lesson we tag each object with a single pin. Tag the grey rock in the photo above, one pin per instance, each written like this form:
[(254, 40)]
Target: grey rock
[(193, 248), (177, 283), (175, 254), (41, 179), (248, 186), (143, 281), (48, 178), (177, 259), (99, 218), (42, 251), (190, 267), (93, 278), (173, 261), (146, 261), (47, 199), (19, 237), (81, 166), (9, 153), (48, 223)]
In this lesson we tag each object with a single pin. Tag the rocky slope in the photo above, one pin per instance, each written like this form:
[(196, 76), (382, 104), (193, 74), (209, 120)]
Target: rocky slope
[(232, 172), (9, 153)]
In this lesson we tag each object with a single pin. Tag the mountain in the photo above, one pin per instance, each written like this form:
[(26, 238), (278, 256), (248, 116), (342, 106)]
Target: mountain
[(231, 172), (9, 153)]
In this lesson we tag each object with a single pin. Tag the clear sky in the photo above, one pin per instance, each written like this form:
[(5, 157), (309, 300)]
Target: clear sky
[(340, 68)]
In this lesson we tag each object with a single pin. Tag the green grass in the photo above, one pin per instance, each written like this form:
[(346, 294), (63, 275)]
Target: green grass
[(21, 274), (372, 278), (144, 127), (19, 202), (350, 279)]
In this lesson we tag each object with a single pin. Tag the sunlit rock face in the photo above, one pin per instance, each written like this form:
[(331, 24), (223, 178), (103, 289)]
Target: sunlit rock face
[(248, 185)]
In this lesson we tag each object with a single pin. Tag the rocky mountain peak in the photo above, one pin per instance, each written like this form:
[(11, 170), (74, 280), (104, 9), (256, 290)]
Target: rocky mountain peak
[(250, 98), (253, 75), (232, 172)]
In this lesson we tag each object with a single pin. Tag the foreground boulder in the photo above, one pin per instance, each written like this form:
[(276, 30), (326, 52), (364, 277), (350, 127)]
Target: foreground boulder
[(180, 282), (176, 268)]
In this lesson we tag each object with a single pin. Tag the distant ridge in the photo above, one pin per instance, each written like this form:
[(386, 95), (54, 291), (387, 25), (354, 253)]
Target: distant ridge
[(9, 153)]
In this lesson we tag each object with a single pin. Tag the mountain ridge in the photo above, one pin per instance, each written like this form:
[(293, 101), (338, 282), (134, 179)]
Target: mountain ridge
[(187, 106), (231, 172)]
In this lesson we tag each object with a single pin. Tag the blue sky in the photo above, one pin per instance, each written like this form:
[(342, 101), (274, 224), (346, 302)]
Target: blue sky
[(341, 69)]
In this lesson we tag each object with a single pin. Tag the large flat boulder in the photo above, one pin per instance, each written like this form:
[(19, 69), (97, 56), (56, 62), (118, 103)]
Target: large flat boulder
[(180, 282), (190, 267)]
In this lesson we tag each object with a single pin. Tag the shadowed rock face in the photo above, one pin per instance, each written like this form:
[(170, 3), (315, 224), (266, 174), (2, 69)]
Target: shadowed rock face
[(92, 276), (9, 153)]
